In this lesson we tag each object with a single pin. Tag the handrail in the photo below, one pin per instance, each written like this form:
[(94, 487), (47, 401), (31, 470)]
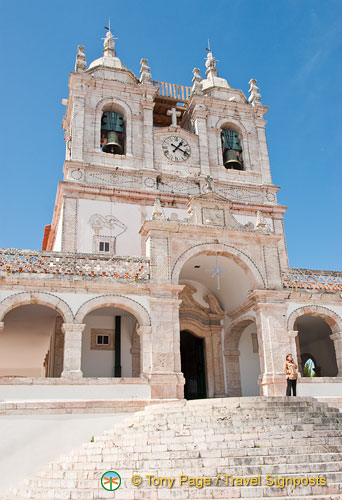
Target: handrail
[(173, 91)]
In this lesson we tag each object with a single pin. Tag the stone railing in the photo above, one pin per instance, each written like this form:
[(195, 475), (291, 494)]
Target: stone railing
[(85, 265), (310, 279)]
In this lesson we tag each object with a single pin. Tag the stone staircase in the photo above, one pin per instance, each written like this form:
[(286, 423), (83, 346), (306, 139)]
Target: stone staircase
[(292, 439)]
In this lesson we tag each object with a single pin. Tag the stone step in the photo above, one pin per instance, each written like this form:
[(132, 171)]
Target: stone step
[(127, 491), (71, 406), (205, 438)]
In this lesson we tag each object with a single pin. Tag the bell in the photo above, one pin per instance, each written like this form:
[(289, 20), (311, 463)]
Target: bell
[(231, 159), (112, 145)]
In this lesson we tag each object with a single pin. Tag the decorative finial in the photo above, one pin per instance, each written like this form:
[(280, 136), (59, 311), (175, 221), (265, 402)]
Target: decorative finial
[(254, 98), (80, 64), (158, 213), (109, 43), (197, 79), (145, 75), (208, 188)]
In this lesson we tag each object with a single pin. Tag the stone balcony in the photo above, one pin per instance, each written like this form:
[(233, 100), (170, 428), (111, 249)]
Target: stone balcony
[(84, 265), (310, 279)]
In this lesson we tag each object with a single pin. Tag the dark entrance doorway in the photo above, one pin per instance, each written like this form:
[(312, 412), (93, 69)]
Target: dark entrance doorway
[(193, 366)]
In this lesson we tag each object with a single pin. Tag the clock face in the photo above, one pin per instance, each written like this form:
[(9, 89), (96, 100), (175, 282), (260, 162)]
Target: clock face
[(176, 149)]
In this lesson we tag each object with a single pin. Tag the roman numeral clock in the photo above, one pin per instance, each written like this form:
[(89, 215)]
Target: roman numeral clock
[(176, 149)]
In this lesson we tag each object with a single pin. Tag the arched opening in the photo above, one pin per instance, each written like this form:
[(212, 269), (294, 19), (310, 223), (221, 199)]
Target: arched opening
[(314, 341), (193, 365), (249, 361), (309, 366), (217, 285), (110, 344), (32, 342), (231, 149), (113, 132)]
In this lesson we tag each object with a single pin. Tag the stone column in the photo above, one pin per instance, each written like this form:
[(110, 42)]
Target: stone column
[(200, 120), (217, 360), (274, 345), (232, 359), (337, 339), (167, 380), (77, 130), (145, 335), (72, 350), (2, 325), (293, 336), (69, 225), (148, 133), (263, 152)]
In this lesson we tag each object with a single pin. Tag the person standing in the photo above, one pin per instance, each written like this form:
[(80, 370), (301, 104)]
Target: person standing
[(290, 368)]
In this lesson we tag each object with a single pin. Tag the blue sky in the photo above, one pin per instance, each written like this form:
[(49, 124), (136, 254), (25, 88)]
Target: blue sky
[(292, 48)]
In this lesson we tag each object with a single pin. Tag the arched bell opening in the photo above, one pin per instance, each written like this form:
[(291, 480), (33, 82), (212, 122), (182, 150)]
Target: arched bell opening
[(314, 342), (193, 365), (113, 132), (32, 342), (231, 149), (110, 344)]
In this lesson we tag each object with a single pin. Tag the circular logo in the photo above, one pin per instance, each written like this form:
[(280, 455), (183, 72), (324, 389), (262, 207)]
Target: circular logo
[(111, 480)]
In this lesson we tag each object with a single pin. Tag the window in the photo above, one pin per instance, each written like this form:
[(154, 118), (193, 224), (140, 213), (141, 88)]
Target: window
[(112, 133), (102, 340), (103, 246), (232, 150)]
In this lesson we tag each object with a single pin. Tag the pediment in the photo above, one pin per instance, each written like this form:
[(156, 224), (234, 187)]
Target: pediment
[(211, 196)]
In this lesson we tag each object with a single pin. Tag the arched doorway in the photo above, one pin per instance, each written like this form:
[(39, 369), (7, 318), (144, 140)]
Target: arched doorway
[(193, 365), (110, 344), (314, 342), (32, 343)]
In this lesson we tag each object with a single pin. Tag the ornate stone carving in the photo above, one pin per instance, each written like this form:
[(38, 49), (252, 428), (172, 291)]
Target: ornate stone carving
[(158, 213), (254, 98), (214, 217), (197, 85), (98, 221), (80, 65), (145, 75)]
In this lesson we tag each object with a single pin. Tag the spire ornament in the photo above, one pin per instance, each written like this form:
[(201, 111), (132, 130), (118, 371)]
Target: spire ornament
[(109, 43), (210, 64), (81, 64), (254, 98), (145, 75)]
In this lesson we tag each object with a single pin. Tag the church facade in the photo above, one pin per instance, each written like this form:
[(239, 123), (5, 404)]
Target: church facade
[(164, 272)]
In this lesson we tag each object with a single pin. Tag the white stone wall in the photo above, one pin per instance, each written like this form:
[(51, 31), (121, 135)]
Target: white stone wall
[(25, 341), (249, 364), (101, 363)]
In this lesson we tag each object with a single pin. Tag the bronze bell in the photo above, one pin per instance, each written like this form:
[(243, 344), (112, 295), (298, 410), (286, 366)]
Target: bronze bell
[(231, 159), (112, 145)]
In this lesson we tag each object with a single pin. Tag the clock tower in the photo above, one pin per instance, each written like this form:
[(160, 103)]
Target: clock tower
[(180, 175)]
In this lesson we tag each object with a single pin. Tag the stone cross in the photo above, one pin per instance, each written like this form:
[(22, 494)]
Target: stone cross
[(174, 113)]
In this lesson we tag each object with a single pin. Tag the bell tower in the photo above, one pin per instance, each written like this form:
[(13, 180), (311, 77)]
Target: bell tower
[(130, 141)]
